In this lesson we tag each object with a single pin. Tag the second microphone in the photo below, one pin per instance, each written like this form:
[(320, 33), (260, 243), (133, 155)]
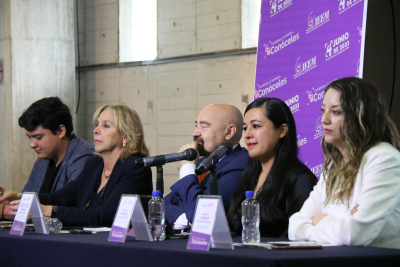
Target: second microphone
[(188, 154)]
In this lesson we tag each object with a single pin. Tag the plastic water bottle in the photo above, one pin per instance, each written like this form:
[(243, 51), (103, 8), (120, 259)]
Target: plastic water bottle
[(250, 219), (157, 216)]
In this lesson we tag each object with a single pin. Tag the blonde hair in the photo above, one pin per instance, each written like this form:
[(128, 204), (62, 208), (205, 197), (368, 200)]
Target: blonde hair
[(128, 125), (366, 122)]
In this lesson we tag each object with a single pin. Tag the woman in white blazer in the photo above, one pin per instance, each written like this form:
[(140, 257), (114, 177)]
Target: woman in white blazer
[(357, 199)]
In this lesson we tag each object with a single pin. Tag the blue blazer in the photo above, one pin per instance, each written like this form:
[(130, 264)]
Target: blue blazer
[(77, 153), (125, 178), (183, 197)]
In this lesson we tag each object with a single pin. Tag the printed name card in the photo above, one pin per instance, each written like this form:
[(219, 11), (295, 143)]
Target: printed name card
[(29, 203), (129, 210), (210, 226)]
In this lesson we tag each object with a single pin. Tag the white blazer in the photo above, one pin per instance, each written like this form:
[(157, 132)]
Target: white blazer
[(377, 221)]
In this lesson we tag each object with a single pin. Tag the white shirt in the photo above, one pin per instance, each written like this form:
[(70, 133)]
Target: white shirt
[(377, 219)]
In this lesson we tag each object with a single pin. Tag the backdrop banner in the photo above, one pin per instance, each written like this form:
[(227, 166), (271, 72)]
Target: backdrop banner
[(302, 47)]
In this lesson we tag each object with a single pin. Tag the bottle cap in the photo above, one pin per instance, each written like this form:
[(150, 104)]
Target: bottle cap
[(156, 193), (249, 193)]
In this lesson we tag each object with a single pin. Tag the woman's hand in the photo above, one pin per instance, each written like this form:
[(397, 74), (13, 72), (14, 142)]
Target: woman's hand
[(46, 210), (4, 211), (353, 210), (13, 208), (317, 218), (8, 195)]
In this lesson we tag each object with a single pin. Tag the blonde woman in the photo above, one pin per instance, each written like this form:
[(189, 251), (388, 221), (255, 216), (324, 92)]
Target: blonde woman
[(356, 201), (92, 199)]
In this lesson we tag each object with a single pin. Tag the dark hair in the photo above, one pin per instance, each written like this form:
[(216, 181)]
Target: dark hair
[(366, 122), (49, 113), (285, 155)]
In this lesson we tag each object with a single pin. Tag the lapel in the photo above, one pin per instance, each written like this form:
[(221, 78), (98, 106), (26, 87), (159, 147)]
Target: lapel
[(115, 177), (227, 158), (91, 178), (70, 149), (220, 165)]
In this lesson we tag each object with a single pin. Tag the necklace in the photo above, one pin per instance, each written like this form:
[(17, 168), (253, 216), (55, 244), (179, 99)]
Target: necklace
[(100, 199), (104, 173)]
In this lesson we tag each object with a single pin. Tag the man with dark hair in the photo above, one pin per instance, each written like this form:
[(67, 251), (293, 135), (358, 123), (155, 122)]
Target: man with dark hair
[(61, 154)]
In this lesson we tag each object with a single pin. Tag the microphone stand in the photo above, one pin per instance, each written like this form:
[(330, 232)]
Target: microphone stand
[(213, 181), (160, 180)]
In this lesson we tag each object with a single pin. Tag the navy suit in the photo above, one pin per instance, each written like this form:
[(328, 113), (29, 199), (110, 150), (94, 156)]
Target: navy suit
[(125, 178), (75, 157), (184, 193)]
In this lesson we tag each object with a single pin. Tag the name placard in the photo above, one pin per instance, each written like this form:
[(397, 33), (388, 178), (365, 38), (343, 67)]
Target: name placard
[(210, 226), (29, 203), (129, 210)]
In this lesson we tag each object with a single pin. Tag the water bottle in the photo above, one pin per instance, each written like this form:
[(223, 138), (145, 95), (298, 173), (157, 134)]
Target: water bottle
[(157, 216), (250, 219)]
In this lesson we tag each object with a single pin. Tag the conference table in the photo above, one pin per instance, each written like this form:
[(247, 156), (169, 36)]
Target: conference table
[(33, 249)]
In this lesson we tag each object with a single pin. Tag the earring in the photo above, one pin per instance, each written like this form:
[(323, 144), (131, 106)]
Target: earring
[(124, 145)]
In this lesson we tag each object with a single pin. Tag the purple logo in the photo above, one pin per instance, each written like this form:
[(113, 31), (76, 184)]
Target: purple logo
[(316, 169), (293, 103), (198, 241), (273, 6), (314, 97), (298, 65), (283, 42), (337, 46), (304, 67), (318, 129), (345, 5), (317, 21), (342, 5), (267, 49), (278, 5), (301, 141), (274, 84), (311, 20)]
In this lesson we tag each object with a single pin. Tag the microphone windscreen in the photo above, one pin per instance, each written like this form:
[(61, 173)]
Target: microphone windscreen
[(191, 154), (139, 162), (228, 146)]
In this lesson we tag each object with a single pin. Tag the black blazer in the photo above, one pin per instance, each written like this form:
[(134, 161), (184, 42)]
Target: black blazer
[(125, 178), (300, 183)]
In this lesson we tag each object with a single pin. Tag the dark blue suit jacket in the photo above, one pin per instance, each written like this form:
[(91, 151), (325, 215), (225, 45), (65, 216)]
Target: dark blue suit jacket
[(183, 197), (125, 178)]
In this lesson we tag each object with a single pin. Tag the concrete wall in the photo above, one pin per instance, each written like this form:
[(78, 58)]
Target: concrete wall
[(37, 41), (6, 138), (187, 27), (167, 96)]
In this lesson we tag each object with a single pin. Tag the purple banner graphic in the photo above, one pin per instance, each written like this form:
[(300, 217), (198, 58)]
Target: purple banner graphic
[(199, 241), (17, 228), (303, 46), (117, 234)]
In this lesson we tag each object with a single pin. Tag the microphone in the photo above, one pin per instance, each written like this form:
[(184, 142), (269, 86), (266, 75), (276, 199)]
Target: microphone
[(223, 149), (188, 154)]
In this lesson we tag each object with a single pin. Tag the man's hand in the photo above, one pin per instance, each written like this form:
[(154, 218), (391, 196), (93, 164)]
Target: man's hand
[(8, 195), (193, 145)]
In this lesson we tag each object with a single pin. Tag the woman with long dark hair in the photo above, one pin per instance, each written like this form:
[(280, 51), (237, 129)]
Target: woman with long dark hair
[(357, 200), (280, 181)]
